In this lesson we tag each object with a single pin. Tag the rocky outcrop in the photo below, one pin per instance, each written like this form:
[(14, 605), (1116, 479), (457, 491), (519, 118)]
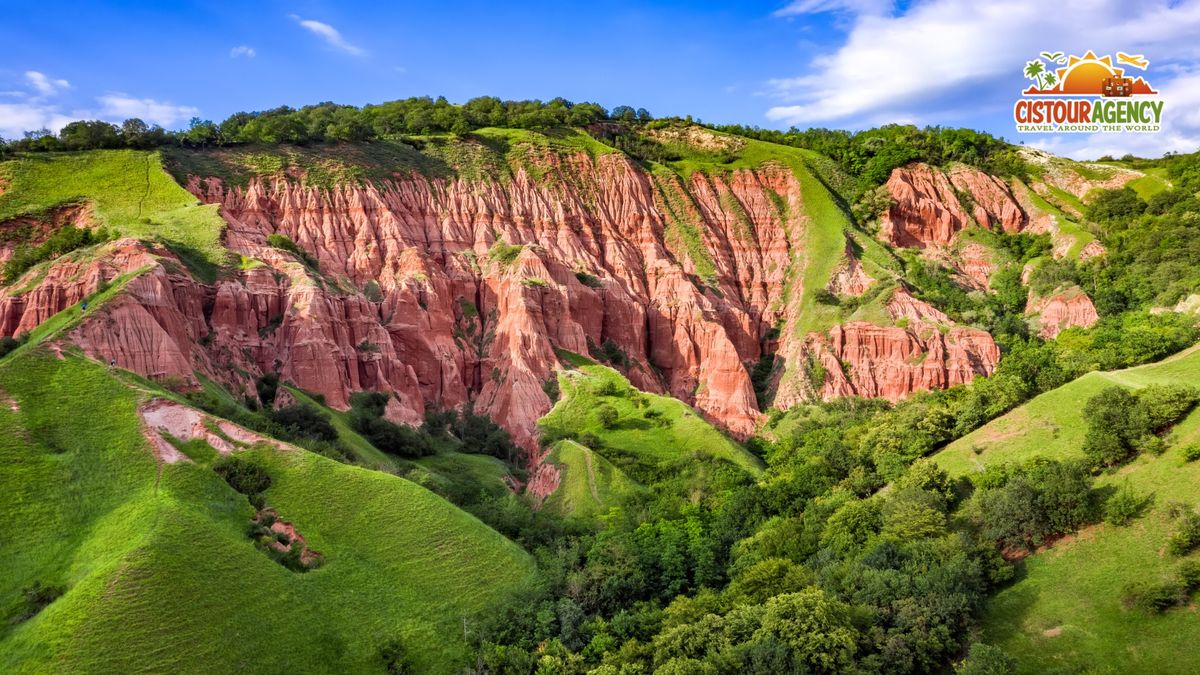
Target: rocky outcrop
[(1063, 309), (924, 351), (849, 278), (927, 211)]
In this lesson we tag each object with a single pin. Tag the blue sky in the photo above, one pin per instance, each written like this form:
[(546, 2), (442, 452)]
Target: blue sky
[(834, 63)]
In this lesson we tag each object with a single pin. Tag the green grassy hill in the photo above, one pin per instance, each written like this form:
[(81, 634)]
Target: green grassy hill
[(651, 432), (1064, 612), (130, 192), (158, 571), (590, 483), (1052, 424)]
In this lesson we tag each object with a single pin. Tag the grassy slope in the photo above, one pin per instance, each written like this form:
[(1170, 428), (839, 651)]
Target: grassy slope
[(131, 193), (1074, 588), (161, 576), (590, 483), (685, 431), (1052, 424)]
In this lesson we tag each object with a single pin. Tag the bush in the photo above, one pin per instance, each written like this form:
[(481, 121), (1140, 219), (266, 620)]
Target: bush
[(366, 417), (267, 387), (243, 475), (587, 279), (1151, 445), (37, 597), (1189, 574), (8, 344), (1123, 506), (285, 243), (1191, 452), (1167, 404), (1186, 536), (304, 421), (1154, 597), (61, 241), (987, 660), (607, 416), (1117, 419)]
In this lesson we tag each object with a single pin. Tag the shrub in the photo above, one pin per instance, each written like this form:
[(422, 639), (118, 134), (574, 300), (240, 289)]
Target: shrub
[(607, 416), (587, 279), (8, 344), (267, 387), (825, 297), (1116, 420), (1191, 452), (1189, 574), (1167, 404), (504, 253), (372, 292), (366, 417), (37, 597), (304, 421), (285, 243), (62, 241), (243, 475), (1123, 506), (1150, 444), (1186, 536), (395, 658), (550, 388), (1154, 597), (985, 659)]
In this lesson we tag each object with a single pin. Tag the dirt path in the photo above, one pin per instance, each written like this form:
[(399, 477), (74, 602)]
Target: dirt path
[(587, 457)]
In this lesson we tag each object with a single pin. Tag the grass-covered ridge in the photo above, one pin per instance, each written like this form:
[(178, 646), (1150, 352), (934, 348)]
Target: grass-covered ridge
[(1065, 609), (130, 193), (649, 433), (590, 484), (154, 556)]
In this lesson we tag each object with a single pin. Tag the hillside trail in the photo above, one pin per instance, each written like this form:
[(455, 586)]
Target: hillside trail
[(587, 457)]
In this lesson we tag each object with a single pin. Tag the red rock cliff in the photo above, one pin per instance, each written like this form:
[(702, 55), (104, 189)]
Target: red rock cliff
[(415, 296)]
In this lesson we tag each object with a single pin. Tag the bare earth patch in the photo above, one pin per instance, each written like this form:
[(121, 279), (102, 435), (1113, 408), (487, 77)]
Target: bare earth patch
[(164, 418), (1052, 632)]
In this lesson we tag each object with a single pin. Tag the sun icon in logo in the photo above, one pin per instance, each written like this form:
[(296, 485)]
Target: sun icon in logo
[(1086, 74)]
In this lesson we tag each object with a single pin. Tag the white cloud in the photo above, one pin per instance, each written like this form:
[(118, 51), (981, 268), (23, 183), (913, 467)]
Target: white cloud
[(329, 34), (44, 85), (942, 57), (17, 118), (35, 110), (799, 7), (242, 50), (118, 107)]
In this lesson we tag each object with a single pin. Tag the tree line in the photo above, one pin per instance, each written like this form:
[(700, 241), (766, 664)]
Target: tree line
[(325, 122)]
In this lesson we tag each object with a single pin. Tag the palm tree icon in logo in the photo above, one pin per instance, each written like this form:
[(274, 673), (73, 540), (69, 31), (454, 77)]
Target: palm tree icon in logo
[(1036, 70)]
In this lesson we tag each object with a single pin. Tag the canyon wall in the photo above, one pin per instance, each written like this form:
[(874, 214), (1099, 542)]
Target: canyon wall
[(451, 292)]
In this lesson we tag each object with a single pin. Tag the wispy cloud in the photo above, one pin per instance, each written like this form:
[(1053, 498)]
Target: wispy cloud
[(37, 107), (943, 58), (329, 34), (45, 85), (799, 7), (242, 51), (121, 107)]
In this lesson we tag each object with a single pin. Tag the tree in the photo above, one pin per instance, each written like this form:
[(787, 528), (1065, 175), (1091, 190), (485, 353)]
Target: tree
[(607, 416), (815, 627), (987, 660)]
